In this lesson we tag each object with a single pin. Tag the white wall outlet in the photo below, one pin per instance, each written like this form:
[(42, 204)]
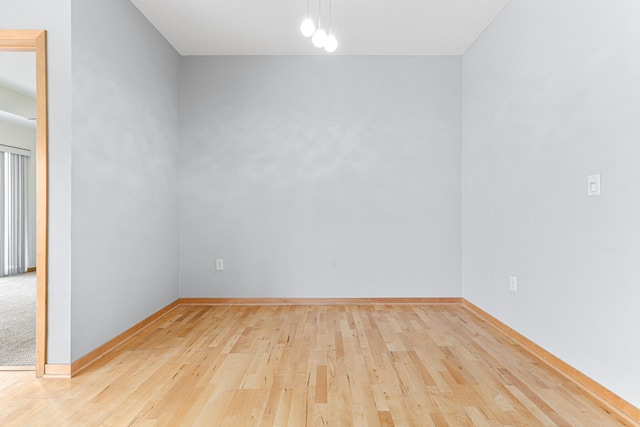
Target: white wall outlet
[(593, 185), (219, 264), (513, 283)]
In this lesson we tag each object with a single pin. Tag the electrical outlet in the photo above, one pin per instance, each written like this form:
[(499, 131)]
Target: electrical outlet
[(513, 283), (219, 264)]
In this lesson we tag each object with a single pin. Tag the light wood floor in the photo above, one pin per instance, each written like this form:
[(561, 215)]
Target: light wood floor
[(368, 365)]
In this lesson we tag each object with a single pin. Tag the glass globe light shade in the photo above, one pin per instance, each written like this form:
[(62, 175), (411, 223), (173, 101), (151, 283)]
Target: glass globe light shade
[(330, 43), (307, 28), (319, 38)]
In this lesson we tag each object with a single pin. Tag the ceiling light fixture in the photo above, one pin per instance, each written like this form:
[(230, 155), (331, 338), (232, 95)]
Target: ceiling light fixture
[(330, 43), (319, 36), (308, 27)]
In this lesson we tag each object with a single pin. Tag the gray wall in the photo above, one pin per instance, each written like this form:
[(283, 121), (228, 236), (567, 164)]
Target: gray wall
[(125, 171), (320, 177), (552, 94), (55, 17)]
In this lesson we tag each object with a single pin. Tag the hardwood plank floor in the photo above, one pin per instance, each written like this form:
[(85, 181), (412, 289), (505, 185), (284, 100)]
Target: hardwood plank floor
[(366, 365)]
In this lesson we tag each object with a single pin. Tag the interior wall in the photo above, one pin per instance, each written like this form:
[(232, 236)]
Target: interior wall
[(126, 101), (55, 17), (550, 95), (320, 176)]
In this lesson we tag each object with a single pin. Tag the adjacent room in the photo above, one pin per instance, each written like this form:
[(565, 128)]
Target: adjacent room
[(431, 219), (17, 211)]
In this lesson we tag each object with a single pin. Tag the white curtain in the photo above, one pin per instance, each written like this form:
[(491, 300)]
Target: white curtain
[(13, 213)]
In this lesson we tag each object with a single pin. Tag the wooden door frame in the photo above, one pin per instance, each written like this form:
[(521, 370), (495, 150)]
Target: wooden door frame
[(36, 41)]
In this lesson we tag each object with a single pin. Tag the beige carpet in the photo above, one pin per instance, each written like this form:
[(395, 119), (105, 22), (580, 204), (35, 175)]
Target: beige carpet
[(18, 320)]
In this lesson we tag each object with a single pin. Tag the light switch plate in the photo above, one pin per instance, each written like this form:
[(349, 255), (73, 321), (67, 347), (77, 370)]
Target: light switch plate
[(219, 264), (593, 185)]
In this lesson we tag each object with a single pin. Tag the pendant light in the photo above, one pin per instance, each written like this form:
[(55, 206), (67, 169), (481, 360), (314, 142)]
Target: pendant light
[(330, 43), (319, 36), (308, 27)]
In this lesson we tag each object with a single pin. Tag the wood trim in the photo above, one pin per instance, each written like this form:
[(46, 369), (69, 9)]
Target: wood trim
[(57, 371), (31, 269), (594, 388), (36, 41), (315, 301), (116, 342), (42, 182), (19, 40)]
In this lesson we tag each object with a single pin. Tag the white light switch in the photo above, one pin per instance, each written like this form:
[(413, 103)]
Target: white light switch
[(219, 264), (593, 185)]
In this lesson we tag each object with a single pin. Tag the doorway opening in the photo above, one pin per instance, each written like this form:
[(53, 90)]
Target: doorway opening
[(18, 283), (35, 41)]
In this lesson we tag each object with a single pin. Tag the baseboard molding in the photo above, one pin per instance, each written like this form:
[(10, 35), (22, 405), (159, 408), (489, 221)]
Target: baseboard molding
[(316, 301), (31, 269), (116, 342), (57, 371), (594, 388)]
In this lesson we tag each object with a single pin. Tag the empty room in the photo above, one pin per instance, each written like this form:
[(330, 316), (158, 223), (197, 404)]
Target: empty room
[(328, 212)]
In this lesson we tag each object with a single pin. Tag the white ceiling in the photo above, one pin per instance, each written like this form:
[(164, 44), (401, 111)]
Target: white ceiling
[(371, 27)]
